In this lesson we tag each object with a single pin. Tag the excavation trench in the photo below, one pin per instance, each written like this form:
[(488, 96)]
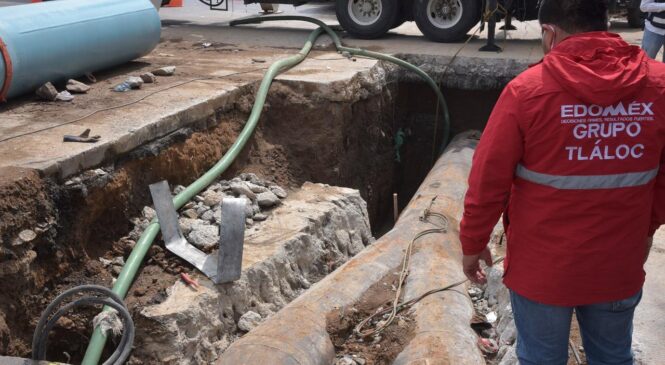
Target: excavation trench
[(344, 138)]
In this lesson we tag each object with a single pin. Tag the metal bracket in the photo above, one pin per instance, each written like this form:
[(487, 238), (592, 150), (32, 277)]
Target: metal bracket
[(224, 267), (491, 30), (217, 5)]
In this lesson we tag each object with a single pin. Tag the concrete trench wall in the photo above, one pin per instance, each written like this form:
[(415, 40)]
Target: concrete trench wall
[(318, 228), (297, 334)]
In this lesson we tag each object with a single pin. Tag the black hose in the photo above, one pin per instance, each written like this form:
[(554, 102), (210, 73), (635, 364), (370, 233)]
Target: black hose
[(109, 298)]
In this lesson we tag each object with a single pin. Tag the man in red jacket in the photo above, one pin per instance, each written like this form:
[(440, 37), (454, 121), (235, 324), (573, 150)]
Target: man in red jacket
[(573, 156)]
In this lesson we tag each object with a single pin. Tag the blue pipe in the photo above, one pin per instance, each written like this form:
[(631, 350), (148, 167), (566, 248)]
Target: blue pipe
[(57, 40)]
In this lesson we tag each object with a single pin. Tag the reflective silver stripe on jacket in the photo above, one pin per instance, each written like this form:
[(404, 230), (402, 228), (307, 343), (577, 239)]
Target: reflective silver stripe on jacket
[(590, 182)]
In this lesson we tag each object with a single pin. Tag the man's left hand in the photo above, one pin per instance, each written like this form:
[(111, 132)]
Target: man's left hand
[(472, 269)]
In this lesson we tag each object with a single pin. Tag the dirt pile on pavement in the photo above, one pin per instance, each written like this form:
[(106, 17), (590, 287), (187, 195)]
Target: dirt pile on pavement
[(378, 349)]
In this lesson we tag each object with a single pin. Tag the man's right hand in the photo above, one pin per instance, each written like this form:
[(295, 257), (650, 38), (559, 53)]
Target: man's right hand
[(471, 266)]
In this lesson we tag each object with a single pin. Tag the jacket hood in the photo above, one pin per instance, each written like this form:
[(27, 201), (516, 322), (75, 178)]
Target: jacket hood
[(598, 67)]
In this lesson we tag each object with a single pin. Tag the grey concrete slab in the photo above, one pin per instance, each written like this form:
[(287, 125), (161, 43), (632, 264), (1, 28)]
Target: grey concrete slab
[(649, 332), (206, 80)]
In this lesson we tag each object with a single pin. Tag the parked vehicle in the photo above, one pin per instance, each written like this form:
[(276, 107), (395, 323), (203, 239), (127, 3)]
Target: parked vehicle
[(440, 20)]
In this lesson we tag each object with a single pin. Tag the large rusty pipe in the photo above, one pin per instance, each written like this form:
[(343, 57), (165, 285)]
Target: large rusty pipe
[(297, 334)]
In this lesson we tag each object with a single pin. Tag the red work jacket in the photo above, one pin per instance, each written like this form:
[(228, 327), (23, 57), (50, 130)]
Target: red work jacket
[(573, 154)]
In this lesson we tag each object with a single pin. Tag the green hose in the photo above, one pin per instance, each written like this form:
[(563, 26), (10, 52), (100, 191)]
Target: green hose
[(126, 277), (364, 53)]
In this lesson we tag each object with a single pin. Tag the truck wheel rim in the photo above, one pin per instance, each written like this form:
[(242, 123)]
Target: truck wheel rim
[(365, 12), (444, 14)]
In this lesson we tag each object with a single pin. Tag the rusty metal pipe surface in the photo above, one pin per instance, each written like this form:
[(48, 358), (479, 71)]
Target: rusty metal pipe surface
[(443, 334), (297, 334)]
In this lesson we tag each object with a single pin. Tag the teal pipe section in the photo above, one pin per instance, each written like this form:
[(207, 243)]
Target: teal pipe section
[(57, 40), (365, 53), (98, 340)]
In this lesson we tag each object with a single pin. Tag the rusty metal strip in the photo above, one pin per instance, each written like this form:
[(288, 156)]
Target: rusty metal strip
[(9, 71)]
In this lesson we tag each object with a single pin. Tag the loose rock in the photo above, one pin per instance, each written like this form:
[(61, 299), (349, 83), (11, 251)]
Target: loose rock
[(248, 176), (47, 92), (260, 217), (346, 360), (249, 321), (241, 188), (134, 82), (27, 235), (149, 213), (201, 209), (77, 87), (190, 213), (281, 193), (204, 236), (267, 199), (256, 188), (212, 198), (164, 71), (187, 224), (64, 96), (148, 78), (209, 216)]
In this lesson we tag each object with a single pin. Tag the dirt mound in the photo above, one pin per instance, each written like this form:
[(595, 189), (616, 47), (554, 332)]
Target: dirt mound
[(381, 348)]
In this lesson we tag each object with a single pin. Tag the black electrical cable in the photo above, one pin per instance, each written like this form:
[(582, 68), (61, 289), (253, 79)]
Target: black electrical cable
[(107, 297), (212, 3)]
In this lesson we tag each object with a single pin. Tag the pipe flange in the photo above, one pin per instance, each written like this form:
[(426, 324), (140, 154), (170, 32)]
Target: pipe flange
[(4, 52)]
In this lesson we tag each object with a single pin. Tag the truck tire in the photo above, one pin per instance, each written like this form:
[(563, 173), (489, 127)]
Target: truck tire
[(635, 17), (367, 19), (446, 20)]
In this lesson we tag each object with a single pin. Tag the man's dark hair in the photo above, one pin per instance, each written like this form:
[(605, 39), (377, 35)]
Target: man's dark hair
[(575, 16)]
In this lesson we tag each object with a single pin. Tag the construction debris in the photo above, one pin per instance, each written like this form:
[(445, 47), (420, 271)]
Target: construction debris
[(25, 236), (200, 219), (164, 71), (83, 137), (64, 96), (249, 320), (77, 87), (148, 78), (132, 82), (47, 92), (191, 282)]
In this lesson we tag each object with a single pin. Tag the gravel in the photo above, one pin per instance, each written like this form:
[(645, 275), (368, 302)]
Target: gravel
[(200, 218), (204, 236), (267, 199)]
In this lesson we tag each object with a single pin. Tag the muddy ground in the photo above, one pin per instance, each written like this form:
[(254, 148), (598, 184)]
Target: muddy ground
[(379, 349)]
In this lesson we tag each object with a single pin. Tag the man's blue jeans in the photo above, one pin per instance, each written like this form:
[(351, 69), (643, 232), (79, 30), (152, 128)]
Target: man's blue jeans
[(652, 43), (543, 331)]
